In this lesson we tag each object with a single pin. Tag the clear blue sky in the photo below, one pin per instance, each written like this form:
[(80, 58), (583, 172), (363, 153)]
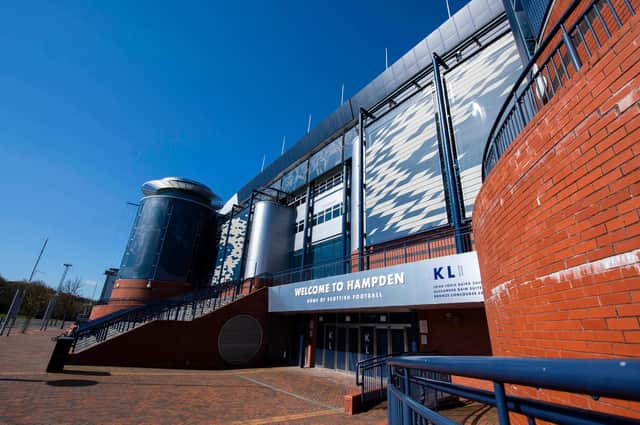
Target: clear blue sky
[(98, 97)]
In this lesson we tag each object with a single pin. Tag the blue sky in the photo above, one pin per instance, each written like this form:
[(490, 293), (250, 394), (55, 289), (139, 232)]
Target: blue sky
[(99, 97)]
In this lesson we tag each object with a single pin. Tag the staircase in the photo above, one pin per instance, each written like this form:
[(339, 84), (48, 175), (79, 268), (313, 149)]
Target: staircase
[(183, 308)]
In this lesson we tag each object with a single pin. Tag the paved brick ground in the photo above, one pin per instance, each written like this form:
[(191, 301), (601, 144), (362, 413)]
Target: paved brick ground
[(107, 395)]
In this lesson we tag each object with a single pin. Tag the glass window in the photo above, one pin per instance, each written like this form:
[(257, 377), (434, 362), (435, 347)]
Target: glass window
[(141, 255), (336, 211), (327, 258), (327, 184)]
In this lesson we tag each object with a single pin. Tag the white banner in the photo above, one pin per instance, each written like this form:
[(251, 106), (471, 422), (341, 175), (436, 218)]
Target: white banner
[(444, 280)]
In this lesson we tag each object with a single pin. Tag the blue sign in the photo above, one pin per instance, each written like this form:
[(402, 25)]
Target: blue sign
[(444, 280)]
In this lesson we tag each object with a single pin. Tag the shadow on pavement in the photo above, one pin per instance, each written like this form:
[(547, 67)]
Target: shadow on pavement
[(85, 372), (72, 383)]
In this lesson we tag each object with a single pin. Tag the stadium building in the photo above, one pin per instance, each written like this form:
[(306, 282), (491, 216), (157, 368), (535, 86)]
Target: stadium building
[(480, 196)]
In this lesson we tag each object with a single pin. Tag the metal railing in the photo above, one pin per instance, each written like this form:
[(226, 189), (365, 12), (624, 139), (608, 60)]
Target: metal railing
[(614, 379), (371, 377), (184, 308), (551, 68), (375, 257)]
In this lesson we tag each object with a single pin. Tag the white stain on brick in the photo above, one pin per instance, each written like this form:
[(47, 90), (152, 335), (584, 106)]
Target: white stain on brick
[(628, 259), (497, 291), (628, 100)]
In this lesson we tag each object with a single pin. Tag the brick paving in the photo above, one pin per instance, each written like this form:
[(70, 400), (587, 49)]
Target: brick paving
[(109, 395)]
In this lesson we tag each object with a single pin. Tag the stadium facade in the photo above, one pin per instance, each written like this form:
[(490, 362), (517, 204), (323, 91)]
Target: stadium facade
[(375, 234)]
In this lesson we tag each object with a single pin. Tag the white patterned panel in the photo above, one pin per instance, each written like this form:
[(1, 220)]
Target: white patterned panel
[(295, 178), (230, 261), (404, 190), (477, 90)]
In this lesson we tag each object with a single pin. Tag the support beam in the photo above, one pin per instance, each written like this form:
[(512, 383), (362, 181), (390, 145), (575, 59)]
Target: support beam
[(450, 171)]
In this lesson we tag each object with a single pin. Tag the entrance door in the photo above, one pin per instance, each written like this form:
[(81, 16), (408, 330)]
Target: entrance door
[(382, 341), (341, 348), (366, 342), (353, 348), (399, 340), (320, 342), (330, 347)]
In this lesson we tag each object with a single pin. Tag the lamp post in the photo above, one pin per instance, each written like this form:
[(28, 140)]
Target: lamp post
[(52, 302), (64, 274)]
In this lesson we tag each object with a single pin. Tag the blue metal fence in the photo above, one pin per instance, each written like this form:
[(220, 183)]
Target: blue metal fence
[(372, 375), (616, 379), (551, 67)]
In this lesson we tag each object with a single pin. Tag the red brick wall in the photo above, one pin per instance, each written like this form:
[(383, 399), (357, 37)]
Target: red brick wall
[(176, 344), (456, 332), (557, 222), (136, 292)]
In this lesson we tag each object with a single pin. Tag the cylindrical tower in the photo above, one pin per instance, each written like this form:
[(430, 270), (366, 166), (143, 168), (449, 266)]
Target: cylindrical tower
[(172, 246), (270, 240)]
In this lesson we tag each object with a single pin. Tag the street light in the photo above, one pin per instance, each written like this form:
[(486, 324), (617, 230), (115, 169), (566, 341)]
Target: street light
[(52, 302), (64, 274)]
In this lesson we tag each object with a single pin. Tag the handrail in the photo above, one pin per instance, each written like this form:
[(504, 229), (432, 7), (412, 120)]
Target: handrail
[(616, 378), (612, 378), (371, 361), (371, 376), (528, 100), (170, 309)]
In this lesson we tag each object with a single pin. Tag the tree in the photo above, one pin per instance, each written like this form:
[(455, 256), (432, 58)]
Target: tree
[(72, 286)]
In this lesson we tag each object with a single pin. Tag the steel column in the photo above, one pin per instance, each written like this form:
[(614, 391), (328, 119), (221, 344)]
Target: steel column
[(346, 186), (450, 171), (362, 116), (306, 227), (361, 119)]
